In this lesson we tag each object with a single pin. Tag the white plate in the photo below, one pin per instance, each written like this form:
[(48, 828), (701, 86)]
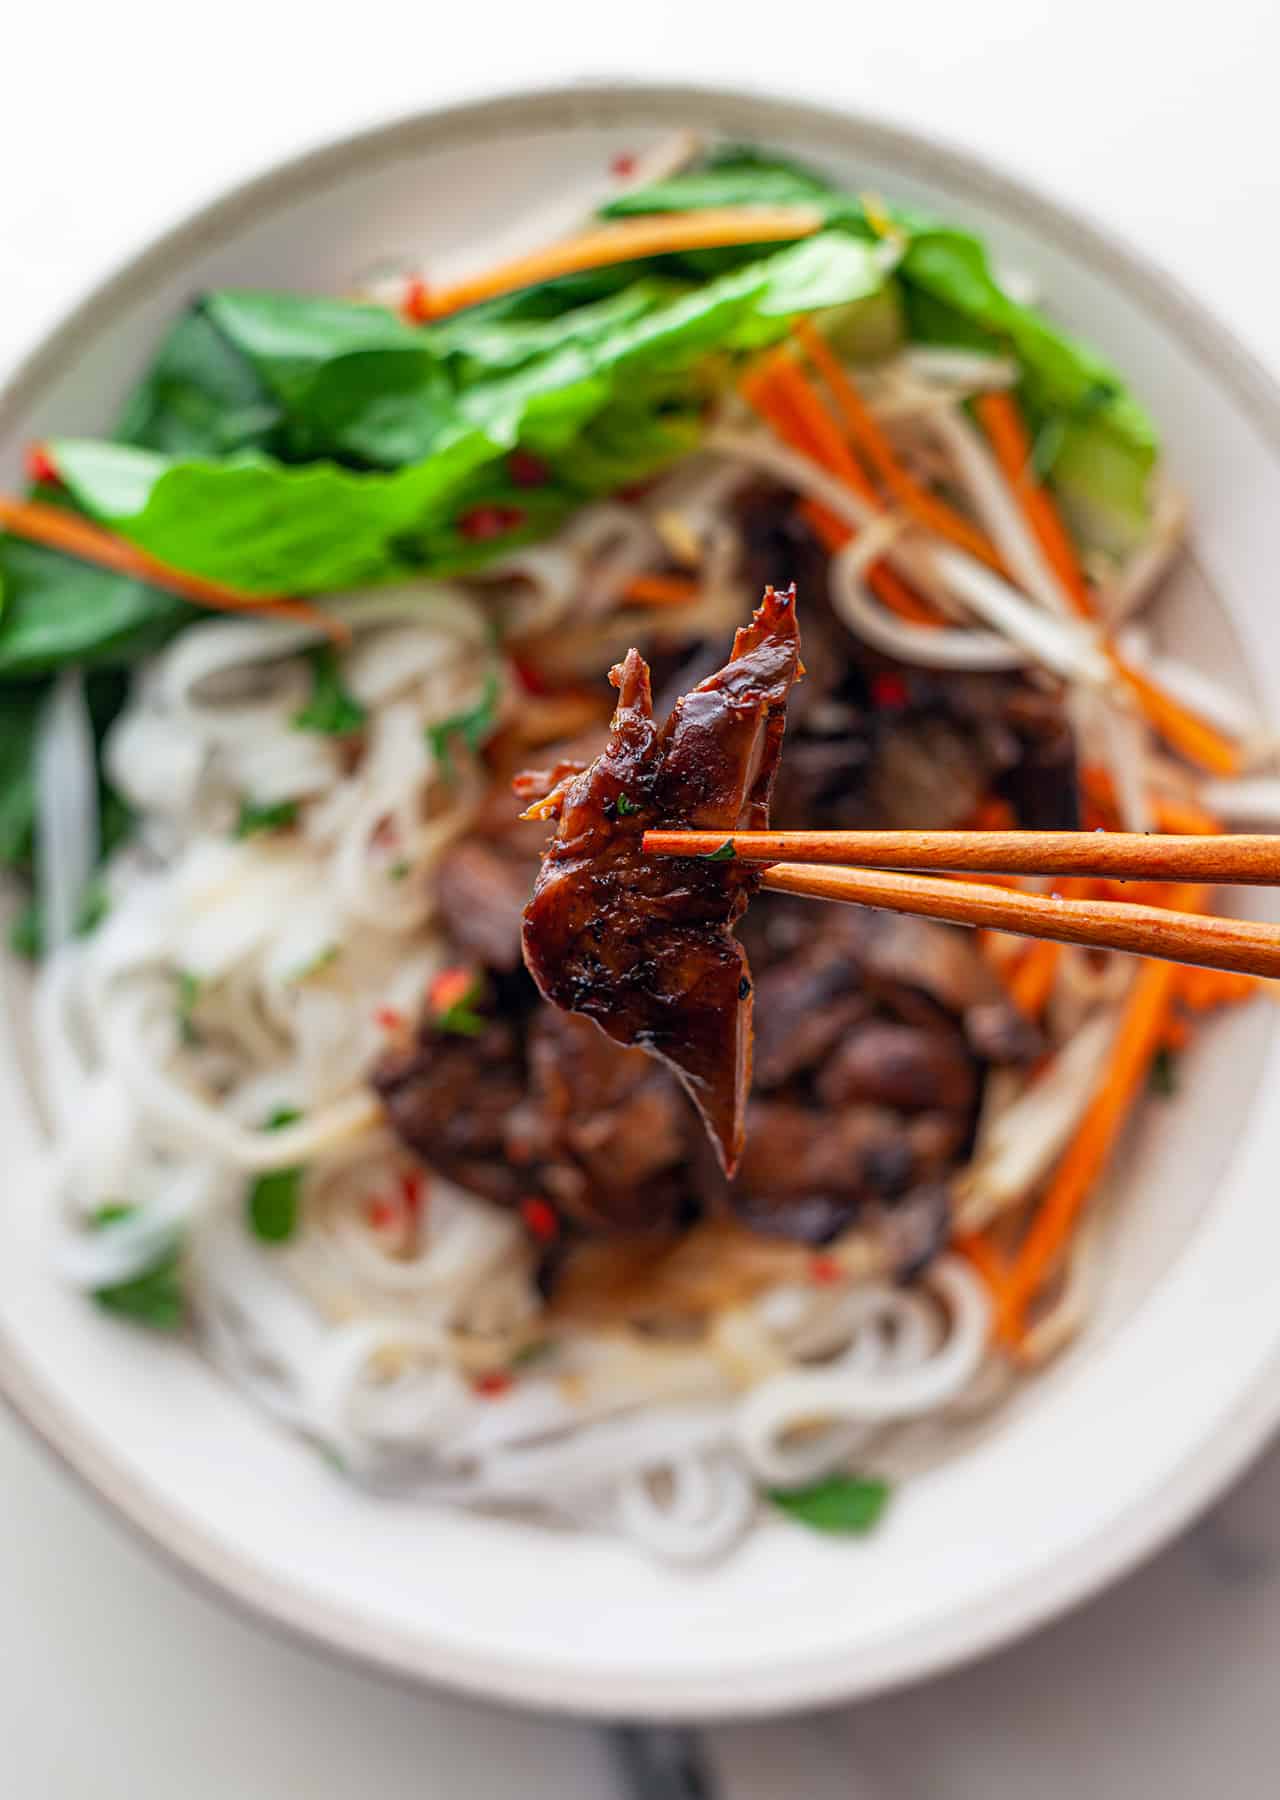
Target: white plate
[(1176, 1385)]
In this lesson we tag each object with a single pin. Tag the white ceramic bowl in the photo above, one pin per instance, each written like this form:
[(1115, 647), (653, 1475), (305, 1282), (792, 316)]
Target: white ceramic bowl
[(1177, 1383)]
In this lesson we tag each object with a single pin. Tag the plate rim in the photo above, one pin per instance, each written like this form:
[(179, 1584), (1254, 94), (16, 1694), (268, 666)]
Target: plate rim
[(974, 1629)]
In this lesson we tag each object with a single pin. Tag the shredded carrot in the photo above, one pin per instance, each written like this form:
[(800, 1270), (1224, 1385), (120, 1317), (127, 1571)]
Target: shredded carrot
[(1031, 981), (779, 392), (866, 433), (1177, 1033), (1181, 816), (656, 234), (660, 590), (1141, 1032), (78, 537), (999, 417), (1184, 816), (988, 1263), (1203, 989), (781, 379), (1197, 740), (992, 814)]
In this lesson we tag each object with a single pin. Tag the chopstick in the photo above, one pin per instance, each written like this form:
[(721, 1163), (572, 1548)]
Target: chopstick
[(1175, 934), (1236, 860)]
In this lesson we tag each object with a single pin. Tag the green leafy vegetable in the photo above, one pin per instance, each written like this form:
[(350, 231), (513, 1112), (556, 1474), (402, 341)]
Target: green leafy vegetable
[(153, 1297), (19, 711), (1104, 445), (474, 725), (623, 806), (840, 1503), (58, 610), (725, 853), (331, 708), (430, 421), (272, 1205), (254, 820), (200, 397)]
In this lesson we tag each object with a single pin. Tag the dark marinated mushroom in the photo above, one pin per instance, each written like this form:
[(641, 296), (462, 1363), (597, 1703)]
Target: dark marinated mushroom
[(644, 946)]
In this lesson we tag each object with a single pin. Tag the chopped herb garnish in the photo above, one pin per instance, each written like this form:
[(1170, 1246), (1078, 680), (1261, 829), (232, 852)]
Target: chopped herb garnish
[(272, 1205), (331, 708), (398, 869), (1164, 1073), (153, 1296), (254, 820), (454, 997), (474, 725), (188, 999), (622, 806), (726, 853), (841, 1503), (533, 1353)]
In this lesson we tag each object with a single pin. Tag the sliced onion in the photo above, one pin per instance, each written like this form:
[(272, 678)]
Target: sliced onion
[(998, 510)]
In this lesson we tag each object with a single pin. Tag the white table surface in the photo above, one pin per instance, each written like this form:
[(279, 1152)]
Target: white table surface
[(117, 1682)]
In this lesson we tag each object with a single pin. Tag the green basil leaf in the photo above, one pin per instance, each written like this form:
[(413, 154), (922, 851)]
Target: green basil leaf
[(840, 1503), (153, 1297), (474, 725), (331, 708), (273, 1199), (201, 396), (254, 820)]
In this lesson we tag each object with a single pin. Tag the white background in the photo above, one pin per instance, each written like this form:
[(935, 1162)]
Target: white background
[(1162, 123)]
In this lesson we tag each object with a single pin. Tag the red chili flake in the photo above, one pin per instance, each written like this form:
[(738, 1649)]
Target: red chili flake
[(416, 304), (382, 1214), (490, 1385), (623, 164), (527, 470), (484, 523), (540, 1218), (823, 1270), (413, 1191), (390, 1018), (889, 692), (450, 987), (40, 466), (531, 679)]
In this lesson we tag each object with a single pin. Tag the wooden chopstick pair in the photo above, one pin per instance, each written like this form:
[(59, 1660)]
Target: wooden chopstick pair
[(812, 864)]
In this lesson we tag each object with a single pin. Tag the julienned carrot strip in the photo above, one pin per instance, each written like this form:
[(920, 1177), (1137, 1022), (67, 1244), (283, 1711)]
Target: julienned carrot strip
[(78, 537), (1031, 981), (782, 397), (657, 234), (783, 376), (988, 1263), (1200, 742), (992, 814), (660, 590), (1183, 817), (867, 434), (885, 582), (1197, 740), (1141, 1032), (999, 417), (1203, 989)]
